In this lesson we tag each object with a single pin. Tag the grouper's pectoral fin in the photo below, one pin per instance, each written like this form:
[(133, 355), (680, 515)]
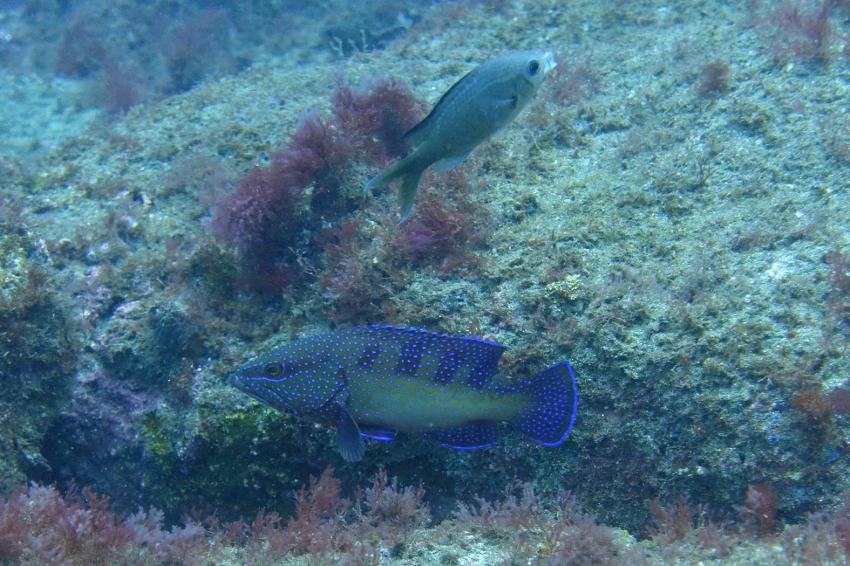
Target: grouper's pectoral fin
[(348, 437)]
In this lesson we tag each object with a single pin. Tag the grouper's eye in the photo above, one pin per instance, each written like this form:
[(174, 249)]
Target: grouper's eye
[(273, 369), (533, 67)]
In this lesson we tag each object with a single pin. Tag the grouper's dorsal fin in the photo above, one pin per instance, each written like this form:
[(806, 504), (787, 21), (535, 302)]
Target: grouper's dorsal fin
[(419, 132), (459, 359)]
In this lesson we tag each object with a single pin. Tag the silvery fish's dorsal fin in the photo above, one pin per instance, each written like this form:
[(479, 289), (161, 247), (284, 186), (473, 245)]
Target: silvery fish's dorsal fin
[(415, 135), (348, 437), (419, 132), (460, 359)]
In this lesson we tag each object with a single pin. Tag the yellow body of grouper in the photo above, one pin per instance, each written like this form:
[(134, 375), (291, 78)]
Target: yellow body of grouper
[(372, 381), (477, 106)]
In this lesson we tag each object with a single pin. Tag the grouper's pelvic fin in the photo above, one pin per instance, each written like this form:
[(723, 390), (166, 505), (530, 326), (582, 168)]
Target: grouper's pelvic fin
[(409, 170), (348, 438), (553, 397)]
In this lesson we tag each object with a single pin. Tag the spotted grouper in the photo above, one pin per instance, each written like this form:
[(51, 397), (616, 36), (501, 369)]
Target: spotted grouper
[(480, 104), (373, 381)]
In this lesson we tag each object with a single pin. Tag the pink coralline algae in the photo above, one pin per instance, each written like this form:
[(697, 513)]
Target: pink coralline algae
[(270, 207)]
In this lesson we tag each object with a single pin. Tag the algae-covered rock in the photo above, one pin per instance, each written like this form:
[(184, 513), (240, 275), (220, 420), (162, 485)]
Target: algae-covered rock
[(145, 343), (37, 350)]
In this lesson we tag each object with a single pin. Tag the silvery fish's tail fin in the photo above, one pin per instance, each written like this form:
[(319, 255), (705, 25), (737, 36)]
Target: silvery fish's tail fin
[(554, 401), (409, 170), (386, 176), (407, 192)]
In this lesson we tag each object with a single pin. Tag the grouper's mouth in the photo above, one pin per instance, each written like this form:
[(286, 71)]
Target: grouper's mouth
[(235, 380)]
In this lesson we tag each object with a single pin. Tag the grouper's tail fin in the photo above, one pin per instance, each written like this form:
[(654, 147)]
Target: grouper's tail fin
[(409, 170), (554, 401)]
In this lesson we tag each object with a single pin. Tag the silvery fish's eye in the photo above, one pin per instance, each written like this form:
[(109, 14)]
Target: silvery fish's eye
[(273, 369), (533, 67)]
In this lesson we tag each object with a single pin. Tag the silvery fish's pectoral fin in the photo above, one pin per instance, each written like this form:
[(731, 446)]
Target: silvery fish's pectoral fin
[(502, 111), (348, 437)]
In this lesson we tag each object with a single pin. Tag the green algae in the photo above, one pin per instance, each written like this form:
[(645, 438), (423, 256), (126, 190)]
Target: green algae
[(156, 436)]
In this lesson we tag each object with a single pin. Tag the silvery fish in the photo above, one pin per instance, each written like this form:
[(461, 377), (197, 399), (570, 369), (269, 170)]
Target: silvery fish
[(373, 381), (480, 104)]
